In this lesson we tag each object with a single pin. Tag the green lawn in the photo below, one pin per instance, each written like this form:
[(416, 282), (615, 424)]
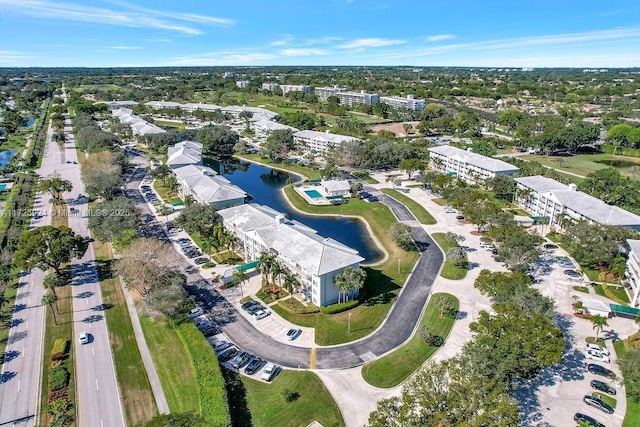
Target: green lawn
[(172, 362), (383, 280), (450, 269), (582, 164), (168, 195), (133, 382), (306, 172), (632, 416), (416, 208), (263, 405), (169, 124), (365, 118), (394, 368), (614, 293)]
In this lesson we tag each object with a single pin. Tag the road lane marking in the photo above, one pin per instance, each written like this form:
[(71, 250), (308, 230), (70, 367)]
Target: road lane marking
[(97, 388), (93, 352), (26, 324), (312, 362), (19, 382)]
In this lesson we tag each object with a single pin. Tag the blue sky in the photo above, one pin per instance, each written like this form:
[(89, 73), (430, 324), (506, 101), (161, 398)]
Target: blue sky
[(525, 33)]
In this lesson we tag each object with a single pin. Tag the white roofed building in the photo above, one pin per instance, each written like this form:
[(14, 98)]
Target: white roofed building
[(466, 165), (633, 271), (145, 128), (313, 259), (564, 204), (159, 105), (207, 187), (399, 102), (312, 140), (294, 88), (263, 128), (184, 153), (114, 105), (337, 187), (191, 107)]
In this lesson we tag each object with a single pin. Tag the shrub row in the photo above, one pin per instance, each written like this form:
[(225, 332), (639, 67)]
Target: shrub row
[(623, 151), (339, 308), (58, 378), (211, 386), (60, 345)]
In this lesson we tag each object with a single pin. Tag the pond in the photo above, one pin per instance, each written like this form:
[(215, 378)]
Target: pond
[(6, 156), (264, 184)]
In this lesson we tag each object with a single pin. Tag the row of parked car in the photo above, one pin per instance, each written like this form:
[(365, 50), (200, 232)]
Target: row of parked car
[(367, 197), (257, 310), (601, 386), (239, 360)]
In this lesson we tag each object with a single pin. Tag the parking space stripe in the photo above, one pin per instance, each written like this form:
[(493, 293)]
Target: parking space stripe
[(312, 362)]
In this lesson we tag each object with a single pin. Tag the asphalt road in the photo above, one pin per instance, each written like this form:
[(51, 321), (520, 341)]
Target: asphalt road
[(20, 380), (97, 394)]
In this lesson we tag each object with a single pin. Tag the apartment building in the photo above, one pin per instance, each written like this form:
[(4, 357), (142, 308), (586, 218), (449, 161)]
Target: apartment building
[(159, 105), (633, 271), (354, 98), (270, 86), (114, 105), (258, 113), (207, 187), (467, 165), (312, 140), (191, 107), (294, 88), (263, 128), (564, 204), (325, 92), (242, 84), (183, 154), (313, 259), (409, 102), (138, 125)]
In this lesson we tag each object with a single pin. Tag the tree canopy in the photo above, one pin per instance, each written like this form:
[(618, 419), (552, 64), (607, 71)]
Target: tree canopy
[(49, 247), (110, 219)]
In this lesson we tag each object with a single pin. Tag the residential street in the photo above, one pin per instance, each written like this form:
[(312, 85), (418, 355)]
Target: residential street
[(20, 382)]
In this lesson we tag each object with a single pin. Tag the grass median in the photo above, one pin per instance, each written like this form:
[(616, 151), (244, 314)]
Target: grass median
[(395, 367), (421, 214), (632, 416), (137, 397), (450, 270), (294, 398), (383, 283)]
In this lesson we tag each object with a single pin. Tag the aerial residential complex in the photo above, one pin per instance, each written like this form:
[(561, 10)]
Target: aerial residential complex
[(315, 260), (633, 271), (312, 140), (183, 154), (263, 128), (138, 125), (466, 165), (399, 102), (345, 97), (545, 197), (287, 88)]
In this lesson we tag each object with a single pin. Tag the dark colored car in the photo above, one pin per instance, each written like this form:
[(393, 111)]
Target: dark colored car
[(227, 354), (220, 346), (459, 217), (550, 246), (600, 370), (603, 387), (254, 366), (201, 260), (247, 305), (587, 419), (254, 308), (240, 360), (598, 404), (372, 199)]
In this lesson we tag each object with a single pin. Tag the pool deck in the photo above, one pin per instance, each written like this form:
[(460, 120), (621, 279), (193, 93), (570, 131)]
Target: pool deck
[(318, 201)]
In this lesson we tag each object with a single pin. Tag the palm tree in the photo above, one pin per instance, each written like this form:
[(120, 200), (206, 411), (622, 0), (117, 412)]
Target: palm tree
[(276, 271), (349, 280), (598, 322), (290, 281), (266, 261), (49, 299), (51, 281), (239, 277)]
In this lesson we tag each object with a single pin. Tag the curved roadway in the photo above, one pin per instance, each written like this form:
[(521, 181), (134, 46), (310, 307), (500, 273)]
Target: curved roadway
[(395, 330)]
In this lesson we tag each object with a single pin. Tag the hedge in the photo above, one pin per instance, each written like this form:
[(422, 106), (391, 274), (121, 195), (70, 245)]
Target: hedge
[(339, 308), (60, 345), (211, 386), (58, 378), (622, 151)]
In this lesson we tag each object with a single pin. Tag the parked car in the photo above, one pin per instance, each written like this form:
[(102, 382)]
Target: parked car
[(564, 262), (254, 366), (603, 387), (227, 354), (596, 347), (587, 419), (201, 260), (459, 217), (256, 307), (220, 346), (294, 333), (269, 372), (240, 360), (191, 269), (600, 370), (247, 305), (83, 337), (371, 199), (196, 312), (550, 246), (596, 355), (183, 240), (598, 404), (571, 274), (261, 314)]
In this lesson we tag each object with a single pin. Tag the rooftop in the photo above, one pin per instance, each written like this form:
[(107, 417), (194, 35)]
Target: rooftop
[(484, 162), (634, 245), (323, 136), (208, 185)]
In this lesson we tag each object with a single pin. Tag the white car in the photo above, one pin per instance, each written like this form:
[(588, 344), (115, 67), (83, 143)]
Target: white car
[(590, 346), (596, 355), (196, 312), (269, 372), (261, 314), (83, 337)]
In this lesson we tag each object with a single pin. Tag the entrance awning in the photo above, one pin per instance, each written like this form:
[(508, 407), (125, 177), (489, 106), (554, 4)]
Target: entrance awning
[(622, 311)]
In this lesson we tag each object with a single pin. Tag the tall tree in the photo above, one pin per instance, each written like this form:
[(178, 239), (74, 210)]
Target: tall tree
[(50, 299), (55, 186), (109, 219), (349, 280), (49, 247), (409, 166), (599, 322)]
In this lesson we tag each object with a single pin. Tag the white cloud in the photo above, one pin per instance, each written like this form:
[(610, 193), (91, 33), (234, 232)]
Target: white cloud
[(222, 58), (123, 47), (372, 42), (9, 57), (135, 17), (440, 37), (303, 52)]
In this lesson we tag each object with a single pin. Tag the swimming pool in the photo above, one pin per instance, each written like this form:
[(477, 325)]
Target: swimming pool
[(3, 187), (314, 194)]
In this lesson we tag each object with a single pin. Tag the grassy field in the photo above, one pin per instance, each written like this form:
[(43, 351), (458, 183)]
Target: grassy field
[(614, 293), (137, 397), (632, 416), (264, 405), (307, 173), (583, 164), (383, 281), (172, 362), (169, 124), (365, 118), (166, 193), (416, 208), (394, 368), (450, 269)]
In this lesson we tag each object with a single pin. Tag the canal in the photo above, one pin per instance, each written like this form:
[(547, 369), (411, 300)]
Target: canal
[(264, 184)]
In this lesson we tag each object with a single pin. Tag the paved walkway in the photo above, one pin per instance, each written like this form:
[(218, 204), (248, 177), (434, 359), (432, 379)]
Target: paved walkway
[(156, 386)]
